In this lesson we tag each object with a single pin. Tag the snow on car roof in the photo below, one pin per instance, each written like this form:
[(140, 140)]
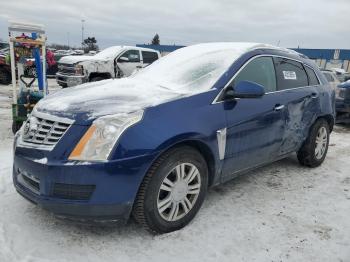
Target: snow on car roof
[(197, 67), (110, 52), (186, 71)]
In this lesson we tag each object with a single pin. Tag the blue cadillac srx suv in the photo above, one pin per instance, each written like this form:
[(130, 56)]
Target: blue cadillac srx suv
[(150, 145)]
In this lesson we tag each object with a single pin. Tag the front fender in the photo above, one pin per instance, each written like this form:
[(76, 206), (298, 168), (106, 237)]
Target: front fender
[(105, 67)]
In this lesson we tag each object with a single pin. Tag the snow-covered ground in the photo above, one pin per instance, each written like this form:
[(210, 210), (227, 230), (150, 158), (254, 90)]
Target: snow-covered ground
[(282, 212)]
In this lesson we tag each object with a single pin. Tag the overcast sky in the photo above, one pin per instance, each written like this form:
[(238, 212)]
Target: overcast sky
[(304, 23)]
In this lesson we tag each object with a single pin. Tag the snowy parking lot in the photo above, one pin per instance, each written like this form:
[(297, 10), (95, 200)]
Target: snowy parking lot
[(282, 212)]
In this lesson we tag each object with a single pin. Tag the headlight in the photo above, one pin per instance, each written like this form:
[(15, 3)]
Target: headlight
[(79, 70), (340, 92), (99, 140)]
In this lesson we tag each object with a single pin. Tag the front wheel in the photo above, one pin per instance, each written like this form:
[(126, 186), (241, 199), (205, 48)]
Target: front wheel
[(97, 78), (173, 191), (16, 126), (314, 149), (5, 77)]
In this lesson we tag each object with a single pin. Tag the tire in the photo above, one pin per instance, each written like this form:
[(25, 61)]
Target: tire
[(147, 209), (5, 77), (16, 126), (96, 78), (310, 154)]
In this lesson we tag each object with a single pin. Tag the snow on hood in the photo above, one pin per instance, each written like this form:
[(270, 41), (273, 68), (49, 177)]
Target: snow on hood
[(187, 71), (72, 59), (106, 97), (105, 55)]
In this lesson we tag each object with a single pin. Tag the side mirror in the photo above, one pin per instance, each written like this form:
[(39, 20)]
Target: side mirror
[(123, 59), (245, 89)]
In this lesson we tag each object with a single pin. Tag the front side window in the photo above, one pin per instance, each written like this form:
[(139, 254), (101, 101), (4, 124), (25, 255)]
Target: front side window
[(261, 71), (149, 57), (290, 74), (329, 77), (131, 55)]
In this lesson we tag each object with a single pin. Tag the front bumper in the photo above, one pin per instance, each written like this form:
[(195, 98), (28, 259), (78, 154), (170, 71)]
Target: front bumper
[(96, 192), (342, 105), (70, 80)]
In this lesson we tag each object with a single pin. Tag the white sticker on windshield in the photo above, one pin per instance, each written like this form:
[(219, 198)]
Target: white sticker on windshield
[(290, 75)]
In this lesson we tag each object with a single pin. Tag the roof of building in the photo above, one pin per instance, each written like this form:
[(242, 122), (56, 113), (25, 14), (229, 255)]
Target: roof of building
[(162, 48)]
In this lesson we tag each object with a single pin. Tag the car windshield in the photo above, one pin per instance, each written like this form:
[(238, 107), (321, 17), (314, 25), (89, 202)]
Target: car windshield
[(192, 69), (108, 53)]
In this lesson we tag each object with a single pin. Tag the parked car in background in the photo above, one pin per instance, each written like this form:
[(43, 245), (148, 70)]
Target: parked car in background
[(4, 45), (5, 71), (341, 74), (342, 95), (331, 78), (79, 52), (113, 62), (92, 52), (151, 144), (343, 102)]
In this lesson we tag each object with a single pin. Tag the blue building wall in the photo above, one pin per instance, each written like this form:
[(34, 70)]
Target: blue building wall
[(163, 49), (344, 54)]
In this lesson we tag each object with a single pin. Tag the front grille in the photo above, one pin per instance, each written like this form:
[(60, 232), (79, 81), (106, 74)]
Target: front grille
[(38, 130), (73, 192), (66, 69)]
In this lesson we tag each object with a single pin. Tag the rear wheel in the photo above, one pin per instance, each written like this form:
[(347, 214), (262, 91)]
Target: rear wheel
[(314, 149), (173, 191)]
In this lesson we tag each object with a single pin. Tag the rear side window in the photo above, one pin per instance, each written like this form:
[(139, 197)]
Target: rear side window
[(260, 71), (313, 80), (149, 57), (290, 74)]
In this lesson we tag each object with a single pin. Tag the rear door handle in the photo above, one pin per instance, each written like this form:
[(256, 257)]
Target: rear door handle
[(278, 107)]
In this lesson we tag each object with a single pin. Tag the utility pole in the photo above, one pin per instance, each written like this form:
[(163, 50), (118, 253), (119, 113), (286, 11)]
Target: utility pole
[(68, 40), (82, 32)]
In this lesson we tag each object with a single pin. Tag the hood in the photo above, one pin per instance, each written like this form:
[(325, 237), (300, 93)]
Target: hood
[(345, 84), (72, 59), (86, 102)]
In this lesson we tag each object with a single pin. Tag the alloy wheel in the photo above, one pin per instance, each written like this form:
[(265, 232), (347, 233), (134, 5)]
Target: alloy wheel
[(179, 192), (321, 142)]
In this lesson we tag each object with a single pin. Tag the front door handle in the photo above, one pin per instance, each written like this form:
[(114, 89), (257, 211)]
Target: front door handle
[(278, 107)]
